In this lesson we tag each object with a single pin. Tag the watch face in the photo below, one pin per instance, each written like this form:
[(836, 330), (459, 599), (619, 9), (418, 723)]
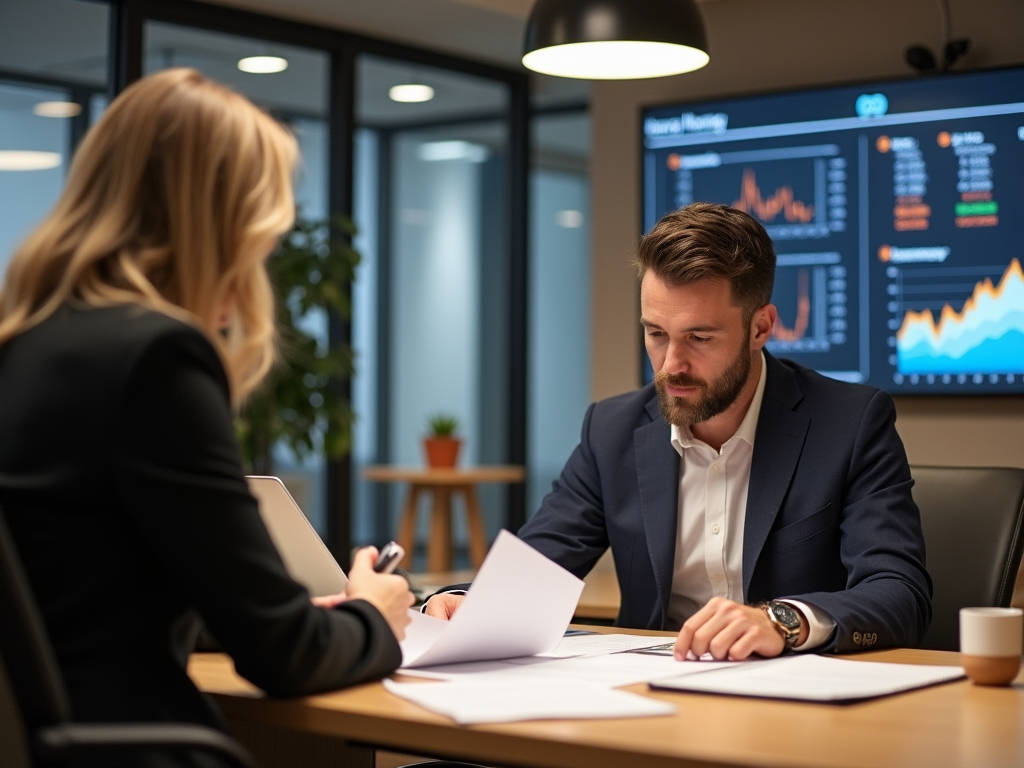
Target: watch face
[(786, 615)]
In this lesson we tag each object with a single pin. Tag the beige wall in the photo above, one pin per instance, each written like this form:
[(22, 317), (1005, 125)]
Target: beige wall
[(757, 45)]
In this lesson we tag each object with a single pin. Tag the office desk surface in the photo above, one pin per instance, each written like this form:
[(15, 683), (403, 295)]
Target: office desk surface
[(956, 724)]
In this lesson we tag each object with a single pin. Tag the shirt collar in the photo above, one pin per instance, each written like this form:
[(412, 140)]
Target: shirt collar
[(683, 438)]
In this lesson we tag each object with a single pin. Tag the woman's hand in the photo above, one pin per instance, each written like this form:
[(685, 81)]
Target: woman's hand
[(388, 593), (329, 601)]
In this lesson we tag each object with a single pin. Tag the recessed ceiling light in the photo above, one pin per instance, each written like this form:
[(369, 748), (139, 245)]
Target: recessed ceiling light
[(263, 65), (569, 218), (411, 92), (25, 160), (57, 109), (435, 151)]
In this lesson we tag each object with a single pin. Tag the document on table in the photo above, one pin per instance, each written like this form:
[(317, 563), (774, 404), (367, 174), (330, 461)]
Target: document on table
[(611, 667), (813, 678), (597, 643), (519, 605), (481, 701), (610, 670)]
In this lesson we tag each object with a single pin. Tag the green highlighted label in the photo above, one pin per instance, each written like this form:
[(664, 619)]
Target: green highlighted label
[(986, 208)]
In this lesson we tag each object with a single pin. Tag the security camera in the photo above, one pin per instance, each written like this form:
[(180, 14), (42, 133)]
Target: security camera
[(922, 60)]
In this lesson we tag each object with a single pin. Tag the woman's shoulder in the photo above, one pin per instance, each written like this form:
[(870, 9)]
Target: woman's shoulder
[(121, 337), (130, 322), (126, 326)]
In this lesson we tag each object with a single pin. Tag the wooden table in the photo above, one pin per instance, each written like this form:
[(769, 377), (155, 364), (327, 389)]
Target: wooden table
[(956, 725), (442, 484)]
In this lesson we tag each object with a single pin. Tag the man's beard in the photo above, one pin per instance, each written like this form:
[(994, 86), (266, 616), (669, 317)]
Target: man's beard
[(713, 398)]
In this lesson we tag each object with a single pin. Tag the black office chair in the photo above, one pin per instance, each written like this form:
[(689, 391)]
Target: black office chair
[(43, 713), (972, 520)]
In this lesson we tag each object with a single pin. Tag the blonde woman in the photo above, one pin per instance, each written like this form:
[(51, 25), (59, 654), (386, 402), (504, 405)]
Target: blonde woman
[(132, 322)]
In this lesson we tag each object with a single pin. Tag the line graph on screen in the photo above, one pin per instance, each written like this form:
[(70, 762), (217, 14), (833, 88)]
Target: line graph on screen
[(767, 209)]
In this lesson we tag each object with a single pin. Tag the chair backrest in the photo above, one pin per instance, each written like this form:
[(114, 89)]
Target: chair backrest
[(972, 518), (24, 646), (41, 711)]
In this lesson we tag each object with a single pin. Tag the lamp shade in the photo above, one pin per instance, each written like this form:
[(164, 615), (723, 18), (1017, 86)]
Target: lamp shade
[(614, 39)]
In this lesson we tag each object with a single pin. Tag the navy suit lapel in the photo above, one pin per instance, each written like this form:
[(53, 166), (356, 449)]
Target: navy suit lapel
[(657, 465), (778, 442)]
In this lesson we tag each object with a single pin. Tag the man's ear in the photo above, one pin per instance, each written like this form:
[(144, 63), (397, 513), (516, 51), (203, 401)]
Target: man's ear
[(761, 325)]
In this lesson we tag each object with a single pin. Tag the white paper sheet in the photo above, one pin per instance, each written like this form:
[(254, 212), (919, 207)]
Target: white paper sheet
[(814, 678), (487, 701), (610, 670), (586, 645), (519, 605)]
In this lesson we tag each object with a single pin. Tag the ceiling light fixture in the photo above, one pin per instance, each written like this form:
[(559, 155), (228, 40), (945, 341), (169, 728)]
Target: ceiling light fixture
[(57, 109), (26, 160), (262, 65), (438, 151), (411, 93), (615, 39), (569, 218)]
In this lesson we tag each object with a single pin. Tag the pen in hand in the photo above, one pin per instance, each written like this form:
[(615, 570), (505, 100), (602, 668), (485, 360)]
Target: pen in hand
[(390, 556)]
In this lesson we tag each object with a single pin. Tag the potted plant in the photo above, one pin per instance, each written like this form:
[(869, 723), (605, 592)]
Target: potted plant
[(302, 402), (441, 443)]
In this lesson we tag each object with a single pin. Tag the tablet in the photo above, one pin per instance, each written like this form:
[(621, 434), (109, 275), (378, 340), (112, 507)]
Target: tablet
[(305, 556)]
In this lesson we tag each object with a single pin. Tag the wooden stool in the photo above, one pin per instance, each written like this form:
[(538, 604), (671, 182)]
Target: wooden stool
[(443, 484)]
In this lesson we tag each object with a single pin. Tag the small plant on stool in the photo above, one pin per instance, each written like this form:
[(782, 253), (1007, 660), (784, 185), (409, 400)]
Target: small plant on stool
[(441, 444)]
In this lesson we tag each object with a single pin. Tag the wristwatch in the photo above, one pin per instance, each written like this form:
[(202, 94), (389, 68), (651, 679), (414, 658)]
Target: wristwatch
[(785, 619)]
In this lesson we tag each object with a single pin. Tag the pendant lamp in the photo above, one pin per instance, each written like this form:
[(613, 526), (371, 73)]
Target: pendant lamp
[(614, 39)]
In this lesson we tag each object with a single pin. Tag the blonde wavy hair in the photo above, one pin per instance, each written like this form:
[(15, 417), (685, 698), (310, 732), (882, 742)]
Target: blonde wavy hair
[(172, 202)]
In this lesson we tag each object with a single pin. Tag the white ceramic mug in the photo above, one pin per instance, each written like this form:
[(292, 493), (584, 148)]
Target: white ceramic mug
[(991, 643)]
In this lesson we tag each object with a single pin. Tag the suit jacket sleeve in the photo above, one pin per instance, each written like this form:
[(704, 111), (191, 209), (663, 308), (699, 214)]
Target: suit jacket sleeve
[(886, 598), (180, 480), (570, 526)]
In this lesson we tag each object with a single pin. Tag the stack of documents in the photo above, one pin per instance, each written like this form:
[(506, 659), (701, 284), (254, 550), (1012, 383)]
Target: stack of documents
[(503, 657), (500, 653)]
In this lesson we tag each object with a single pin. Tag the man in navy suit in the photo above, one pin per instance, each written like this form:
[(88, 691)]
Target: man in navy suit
[(749, 502)]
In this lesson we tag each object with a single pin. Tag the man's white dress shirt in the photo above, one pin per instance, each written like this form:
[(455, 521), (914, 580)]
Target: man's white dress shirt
[(712, 509)]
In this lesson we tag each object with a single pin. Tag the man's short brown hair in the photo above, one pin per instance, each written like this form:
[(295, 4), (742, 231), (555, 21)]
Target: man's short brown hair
[(704, 241)]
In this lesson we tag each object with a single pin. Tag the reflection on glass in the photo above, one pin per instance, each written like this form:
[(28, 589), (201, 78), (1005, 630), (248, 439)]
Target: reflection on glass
[(53, 59), (28, 189), (559, 296), (55, 41), (432, 293)]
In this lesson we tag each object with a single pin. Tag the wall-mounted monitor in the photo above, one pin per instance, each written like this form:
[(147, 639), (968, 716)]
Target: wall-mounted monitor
[(897, 213)]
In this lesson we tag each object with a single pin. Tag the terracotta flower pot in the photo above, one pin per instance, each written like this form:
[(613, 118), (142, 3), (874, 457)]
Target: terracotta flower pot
[(442, 452)]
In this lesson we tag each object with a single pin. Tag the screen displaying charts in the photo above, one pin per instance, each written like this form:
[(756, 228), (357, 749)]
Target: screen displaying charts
[(897, 213)]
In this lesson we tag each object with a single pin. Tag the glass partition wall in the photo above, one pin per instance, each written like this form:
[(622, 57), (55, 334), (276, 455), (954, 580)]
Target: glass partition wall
[(432, 304), (558, 386), (53, 80), (438, 190), (439, 300)]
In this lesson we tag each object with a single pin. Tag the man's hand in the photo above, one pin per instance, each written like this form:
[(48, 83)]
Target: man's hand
[(729, 630), (443, 605)]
